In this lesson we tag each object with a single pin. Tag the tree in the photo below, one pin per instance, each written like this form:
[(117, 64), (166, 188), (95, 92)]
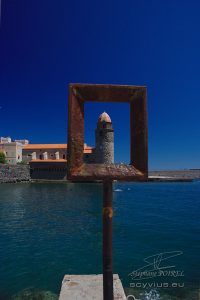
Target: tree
[(2, 158)]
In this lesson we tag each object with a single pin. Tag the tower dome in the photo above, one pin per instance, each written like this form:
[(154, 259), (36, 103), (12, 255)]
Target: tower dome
[(104, 117)]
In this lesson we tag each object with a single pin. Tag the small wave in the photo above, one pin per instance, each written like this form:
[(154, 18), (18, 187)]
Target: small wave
[(152, 295), (118, 190)]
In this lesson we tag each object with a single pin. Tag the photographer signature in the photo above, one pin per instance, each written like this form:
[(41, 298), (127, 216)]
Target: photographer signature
[(155, 264)]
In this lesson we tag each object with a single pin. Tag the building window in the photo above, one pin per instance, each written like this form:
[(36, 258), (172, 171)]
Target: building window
[(40, 156), (63, 156)]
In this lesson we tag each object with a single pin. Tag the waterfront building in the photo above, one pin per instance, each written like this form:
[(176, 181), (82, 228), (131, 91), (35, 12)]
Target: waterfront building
[(12, 149), (23, 142), (13, 152), (49, 161), (5, 140), (32, 152)]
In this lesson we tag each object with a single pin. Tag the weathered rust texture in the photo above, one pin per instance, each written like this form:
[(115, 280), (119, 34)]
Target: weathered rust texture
[(136, 96), (138, 129), (107, 241), (108, 212), (78, 171), (75, 132), (90, 172), (106, 92)]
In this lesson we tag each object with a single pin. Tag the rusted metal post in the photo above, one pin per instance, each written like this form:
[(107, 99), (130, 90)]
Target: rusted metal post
[(79, 171), (107, 241)]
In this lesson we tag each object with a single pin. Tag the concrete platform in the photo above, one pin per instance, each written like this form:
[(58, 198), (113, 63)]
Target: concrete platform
[(88, 287)]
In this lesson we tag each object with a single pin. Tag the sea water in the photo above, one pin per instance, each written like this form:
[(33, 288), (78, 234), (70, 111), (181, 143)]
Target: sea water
[(48, 230)]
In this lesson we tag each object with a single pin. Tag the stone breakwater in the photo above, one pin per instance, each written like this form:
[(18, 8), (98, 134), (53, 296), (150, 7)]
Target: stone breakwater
[(14, 173), (192, 174), (21, 173)]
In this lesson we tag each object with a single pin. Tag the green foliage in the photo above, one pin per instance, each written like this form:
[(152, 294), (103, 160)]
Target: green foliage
[(22, 163), (2, 158)]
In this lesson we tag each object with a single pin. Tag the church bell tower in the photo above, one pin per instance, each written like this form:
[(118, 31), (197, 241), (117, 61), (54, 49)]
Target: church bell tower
[(104, 151)]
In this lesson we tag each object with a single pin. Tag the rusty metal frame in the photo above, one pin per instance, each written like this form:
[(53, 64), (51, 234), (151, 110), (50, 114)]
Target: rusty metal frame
[(136, 96)]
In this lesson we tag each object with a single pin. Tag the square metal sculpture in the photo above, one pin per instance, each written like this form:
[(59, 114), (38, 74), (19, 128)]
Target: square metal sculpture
[(137, 170), (77, 170)]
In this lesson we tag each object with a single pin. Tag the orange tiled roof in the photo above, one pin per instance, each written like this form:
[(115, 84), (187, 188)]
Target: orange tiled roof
[(44, 146), (48, 160), (87, 149)]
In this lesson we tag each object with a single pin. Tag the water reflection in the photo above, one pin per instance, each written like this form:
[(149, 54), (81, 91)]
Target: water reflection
[(49, 230)]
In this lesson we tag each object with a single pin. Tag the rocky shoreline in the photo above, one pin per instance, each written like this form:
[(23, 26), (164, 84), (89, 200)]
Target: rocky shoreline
[(21, 173), (14, 173), (175, 175)]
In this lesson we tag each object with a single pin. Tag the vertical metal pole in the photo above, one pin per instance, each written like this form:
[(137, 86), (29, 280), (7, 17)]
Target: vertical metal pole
[(107, 241)]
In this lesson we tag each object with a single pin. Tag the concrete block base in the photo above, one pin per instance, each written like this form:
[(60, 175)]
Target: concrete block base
[(88, 287)]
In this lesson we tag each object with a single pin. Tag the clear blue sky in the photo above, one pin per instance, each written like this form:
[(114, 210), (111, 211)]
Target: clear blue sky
[(46, 44)]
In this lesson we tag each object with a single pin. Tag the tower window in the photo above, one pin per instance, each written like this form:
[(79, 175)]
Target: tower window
[(100, 133)]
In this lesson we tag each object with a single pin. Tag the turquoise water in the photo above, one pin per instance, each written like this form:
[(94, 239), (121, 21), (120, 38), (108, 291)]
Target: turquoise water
[(49, 230)]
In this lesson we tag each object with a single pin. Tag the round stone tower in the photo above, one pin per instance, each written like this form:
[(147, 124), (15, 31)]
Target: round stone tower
[(104, 151)]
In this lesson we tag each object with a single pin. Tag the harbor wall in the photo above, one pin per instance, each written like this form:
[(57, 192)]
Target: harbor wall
[(14, 173)]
